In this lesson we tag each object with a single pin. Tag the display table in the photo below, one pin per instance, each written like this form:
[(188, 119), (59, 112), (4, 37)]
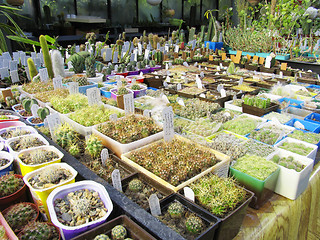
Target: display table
[(282, 218)]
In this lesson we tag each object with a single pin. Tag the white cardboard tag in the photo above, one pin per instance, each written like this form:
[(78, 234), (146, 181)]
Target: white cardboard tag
[(199, 83), (168, 129), (116, 180), (154, 205), (57, 82), (73, 87), (93, 95), (128, 103), (14, 76)]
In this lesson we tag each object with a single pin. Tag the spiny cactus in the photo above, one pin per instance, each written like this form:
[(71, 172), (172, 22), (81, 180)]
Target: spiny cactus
[(155, 41), (122, 91), (176, 210), (66, 136), (57, 63), (135, 185), (9, 184), (94, 146), (19, 215), (102, 237), (46, 55), (39, 230), (32, 68), (74, 150), (119, 232), (90, 68), (83, 81), (78, 63), (135, 41), (194, 225)]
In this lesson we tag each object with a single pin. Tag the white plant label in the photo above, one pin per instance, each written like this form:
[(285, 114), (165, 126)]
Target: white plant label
[(16, 56), (202, 74), (115, 57), (268, 62), (195, 64), (218, 68), (5, 63), (188, 193), (133, 81), (199, 83), (119, 83), (168, 129), (185, 64), (167, 66), (73, 87), (93, 95), (28, 73), (128, 103), (165, 99), (165, 84), (140, 48), (154, 205), (113, 117), (34, 110), (299, 125), (104, 156), (176, 48), (70, 65), (6, 55), (180, 101), (300, 74), (4, 72), (44, 74), (281, 74), (147, 113), (219, 87), (223, 93), (146, 54), (13, 65), (54, 122), (241, 81), (108, 54), (179, 86), (273, 76), (116, 180), (14, 76), (202, 95), (234, 97), (57, 82)]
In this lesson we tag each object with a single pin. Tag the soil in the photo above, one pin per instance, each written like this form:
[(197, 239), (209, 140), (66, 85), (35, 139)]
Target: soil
[(19, 107), (16, 145), (36, 120), (141, 198), (46, 156), (179, 225), (25, 114), (6, 113), (3, 162)]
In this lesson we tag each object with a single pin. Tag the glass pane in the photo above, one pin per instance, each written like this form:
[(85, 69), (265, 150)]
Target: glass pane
[(123, 11), (175, 5), (57, 7), (192, 12), (97, 8), (147, 12)]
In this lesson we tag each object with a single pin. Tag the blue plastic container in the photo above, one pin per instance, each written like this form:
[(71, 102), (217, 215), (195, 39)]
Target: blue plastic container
[(154, 89), (8, 168), (232, 52), (309, 126), (29, 119), (292, 102), (83, 89), (248, 53), (315, 116), (264, 55), (316, 87), (283, 57), (105, 93), (214, 45)]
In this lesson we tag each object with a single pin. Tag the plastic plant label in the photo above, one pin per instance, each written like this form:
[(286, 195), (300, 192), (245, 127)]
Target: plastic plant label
[(241, 81), (4, 72), (116, 180), (199, 67), (16, 56), (268, 62), (165, 99), (188, 193), (146, 54), (141, 74), (128, 103), (54, 122), (234, 97), (73, 87), (34, 110), (147, 113), (179, 86), (13, 65), (221, 66), (70, 65), (300, 74), (202, 95), (115, 57), (223, 93), (299, 125), (119, 83), (195, 64), (14, 76), (57, 82), (113, 117), (44, 74), (154, 205), (180, 101), (282, 134), (165, 84), (176, 49), (281, 74), (202, 74), (167, 66), (218, 68), (108, 54), (219, 87), (104, 156), (93, 95), (199, 83), (185, 64), (168, 130)]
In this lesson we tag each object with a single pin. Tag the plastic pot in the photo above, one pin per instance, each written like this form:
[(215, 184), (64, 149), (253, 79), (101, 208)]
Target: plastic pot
[(50, 224), (29, 120), (259, 111), (10, 234), (10, 118), (26, 128), (8, 168), (11, 124)]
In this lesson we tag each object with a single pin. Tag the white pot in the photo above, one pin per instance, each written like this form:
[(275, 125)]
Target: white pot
[(154, 2)]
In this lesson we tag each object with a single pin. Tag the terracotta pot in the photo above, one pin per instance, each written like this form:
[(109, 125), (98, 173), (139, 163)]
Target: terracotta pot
[(18, 196), (15, 3), (16, 230)]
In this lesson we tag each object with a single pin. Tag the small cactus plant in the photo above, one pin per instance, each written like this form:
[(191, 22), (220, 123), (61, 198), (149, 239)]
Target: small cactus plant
[(74, 150), (32, 68), (119, 232), (135, 185), (43, 113), (102, 237), (57, 63), (78, 63), (90, 68), (39, 230), (27, 103), (46, 55), (9, 184), (122, 91), (94, 146), (194, 225), (176, 210)]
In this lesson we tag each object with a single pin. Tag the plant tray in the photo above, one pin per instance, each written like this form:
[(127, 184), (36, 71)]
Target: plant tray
[(290, 183), (263, 190), (134, 231), (309, 126), (259, 111), (268, 70), (251, 67), (221, 168)]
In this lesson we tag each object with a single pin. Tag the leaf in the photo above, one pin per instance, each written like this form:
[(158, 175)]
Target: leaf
[(50, 39), (23, 40)]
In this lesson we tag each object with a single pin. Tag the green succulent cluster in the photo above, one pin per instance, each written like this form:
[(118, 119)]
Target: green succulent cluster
[(19, 215), (194, 224), (122, 91), (288, 162), (9, 184), (241, 125), (39, 230), (176, 210), (135, 185), (67, 138), (94, 146), (37, 87), (90, 68), (38, 156), (298, 148), (70, 103), (309, 137), (119, 232)]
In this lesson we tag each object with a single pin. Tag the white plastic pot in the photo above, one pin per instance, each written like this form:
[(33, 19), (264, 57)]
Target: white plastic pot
[(9, 166)]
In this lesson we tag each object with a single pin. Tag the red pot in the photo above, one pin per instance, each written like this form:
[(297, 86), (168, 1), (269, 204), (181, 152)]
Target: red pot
[(50, 224)]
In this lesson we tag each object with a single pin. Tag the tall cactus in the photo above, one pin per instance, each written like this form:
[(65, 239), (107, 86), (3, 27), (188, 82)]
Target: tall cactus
[(202, 33), (46, 55), (192, 32), (32, 68)]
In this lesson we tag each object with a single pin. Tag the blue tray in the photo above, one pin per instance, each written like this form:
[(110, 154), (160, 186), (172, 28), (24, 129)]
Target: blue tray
[(309, 126), (313, 116), (105, 93), (290, 100)]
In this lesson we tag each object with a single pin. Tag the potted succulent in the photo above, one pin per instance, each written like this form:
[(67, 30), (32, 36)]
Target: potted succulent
[(20, 214), (40, 230), (69, 104), (117, 94), (258, 175), (45, 97), (11, 132), (39, 120), (138, 90), (12, 190), (18, 144), (243, 124), (83, 82), (258, 106)]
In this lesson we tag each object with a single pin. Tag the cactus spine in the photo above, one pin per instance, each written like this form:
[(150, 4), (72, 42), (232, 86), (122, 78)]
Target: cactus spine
[(57, 63), (46, 55), (32, 68)]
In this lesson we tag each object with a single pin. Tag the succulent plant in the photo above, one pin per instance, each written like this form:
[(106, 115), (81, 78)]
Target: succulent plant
[(9, 184), (46, 96), (36, 87), (122, 91), (19, 215), (194, 224), (70, 103), (102, 237), (16, 132), (313, 138), (288, 162), (90, 68), (66, 136), (298, 148), (135, 185), (83, 81), (94, 146), (25, 142), (78, 63), (241, 125), (74, 150), (27, 104), (119, 232), (43, 113), (176, 210), (39, 230), (38, 156)]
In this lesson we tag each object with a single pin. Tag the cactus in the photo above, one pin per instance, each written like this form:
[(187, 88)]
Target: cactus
[(174, 36), (94, 146), (118, 232), (74, 150), (102, 237), (99, 67), (19, 215), (27, 103), (122, 91), (135, 185), (32, 68), (194, 225), (39, 230), (155, 41), (176, 210), (125, 57), (46, 55), (145, 38), (57, 63), (43, 113), (90, 68), (66, 136), (83, 81), (135, 42), (192, 32), (78, 63), (201, 37), (9, 184), (231, 68), (119, 44)]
